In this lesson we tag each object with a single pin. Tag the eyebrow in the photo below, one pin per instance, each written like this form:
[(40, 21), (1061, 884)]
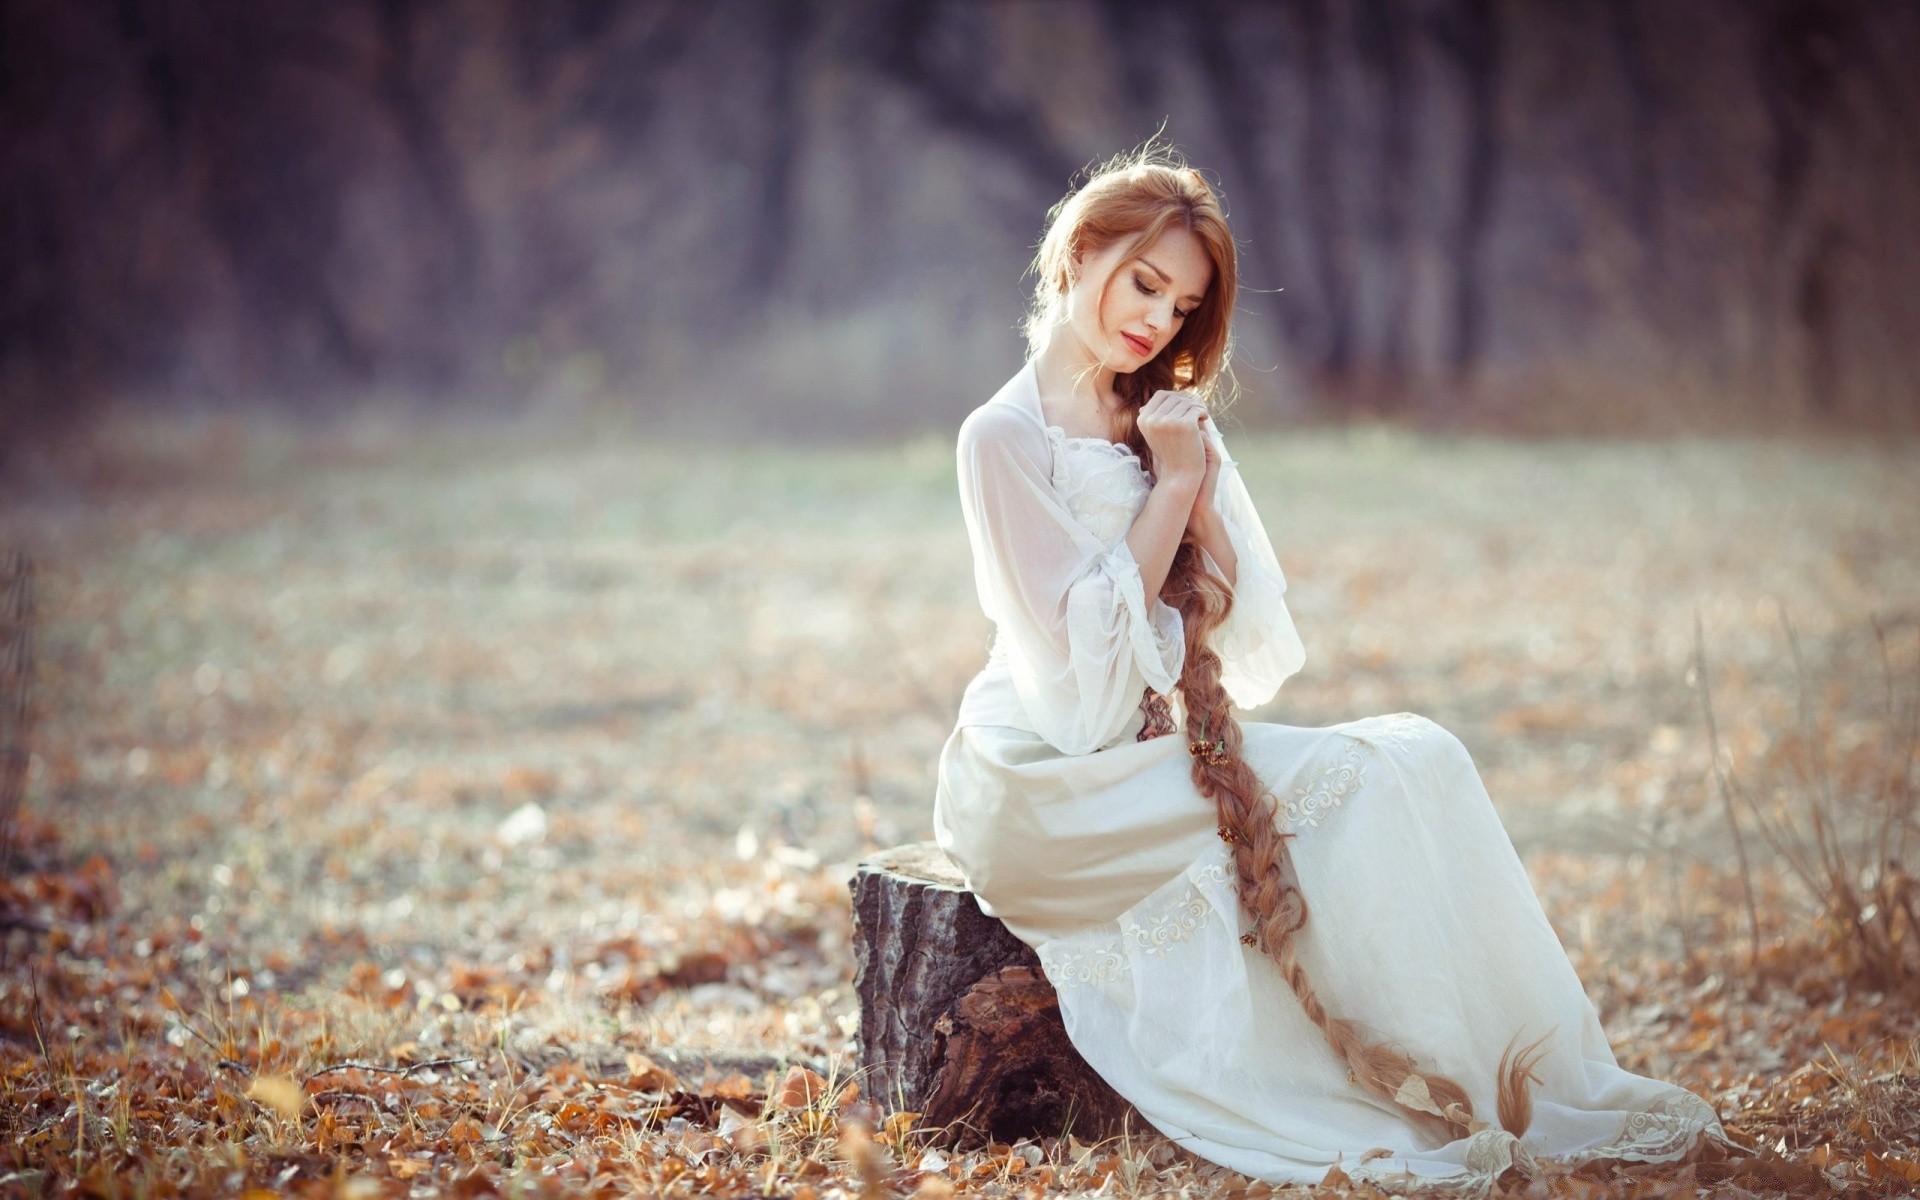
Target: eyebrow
[(1166, 278)]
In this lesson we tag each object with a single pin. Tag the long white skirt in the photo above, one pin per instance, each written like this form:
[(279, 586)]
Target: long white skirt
[(1421, 923)]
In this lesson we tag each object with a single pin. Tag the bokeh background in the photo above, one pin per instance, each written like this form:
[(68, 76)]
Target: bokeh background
[(811, 218), (480, 560)]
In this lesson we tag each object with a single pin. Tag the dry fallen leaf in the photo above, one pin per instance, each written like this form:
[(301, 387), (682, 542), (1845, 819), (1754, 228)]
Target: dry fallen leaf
[(1414, 1094), (407, 1168), (645, 1075), (745, 1134), (897, 1126), (800, 1088), (280, 1093), (695, 933), (1887, 1166)]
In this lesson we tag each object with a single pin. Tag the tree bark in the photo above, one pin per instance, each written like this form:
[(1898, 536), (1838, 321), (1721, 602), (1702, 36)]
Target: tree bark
[(957, 1022)]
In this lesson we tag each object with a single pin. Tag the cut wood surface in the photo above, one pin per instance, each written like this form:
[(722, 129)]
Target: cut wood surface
[(957, 1022)]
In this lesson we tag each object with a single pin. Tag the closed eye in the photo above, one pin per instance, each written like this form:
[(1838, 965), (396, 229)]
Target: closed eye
[(1147, 291)]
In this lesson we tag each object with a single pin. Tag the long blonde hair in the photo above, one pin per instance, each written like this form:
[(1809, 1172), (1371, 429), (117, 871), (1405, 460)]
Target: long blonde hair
[(1134, 197)]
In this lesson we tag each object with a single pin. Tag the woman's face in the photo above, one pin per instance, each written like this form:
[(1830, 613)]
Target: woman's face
[(1146, 299)]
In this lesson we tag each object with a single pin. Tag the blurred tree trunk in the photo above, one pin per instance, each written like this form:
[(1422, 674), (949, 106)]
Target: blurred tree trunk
[(1552, 216)]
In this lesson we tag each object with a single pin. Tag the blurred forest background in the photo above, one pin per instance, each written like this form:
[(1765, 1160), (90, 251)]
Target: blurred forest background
[(489, 563), (811, 219)]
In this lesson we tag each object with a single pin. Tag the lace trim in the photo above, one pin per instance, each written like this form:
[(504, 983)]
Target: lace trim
[(1347, 774), (1157, 930), (1104, 488), (1060, 435), (1660, 1133), (1178, 917), (1311, 802), (1666, 1130), (1118, 454)]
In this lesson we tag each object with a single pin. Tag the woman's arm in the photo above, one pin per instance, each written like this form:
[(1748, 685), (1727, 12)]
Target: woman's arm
[(1204, 521), (1170, 424), (1156, 532), (1079, 626)]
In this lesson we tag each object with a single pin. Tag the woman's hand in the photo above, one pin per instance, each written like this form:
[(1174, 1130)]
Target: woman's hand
[(1203, 511), (1170, 423)]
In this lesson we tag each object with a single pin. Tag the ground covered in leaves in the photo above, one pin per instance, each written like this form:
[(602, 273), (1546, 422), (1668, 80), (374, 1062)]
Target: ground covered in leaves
[(417, 812)]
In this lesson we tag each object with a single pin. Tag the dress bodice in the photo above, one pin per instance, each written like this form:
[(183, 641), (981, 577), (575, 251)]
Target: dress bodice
[(1103, 483)]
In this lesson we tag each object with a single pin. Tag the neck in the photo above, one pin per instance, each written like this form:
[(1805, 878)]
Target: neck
[(1075, 379)]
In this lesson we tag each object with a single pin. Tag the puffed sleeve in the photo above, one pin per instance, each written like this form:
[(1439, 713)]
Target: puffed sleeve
[(1072, 612), (1257, 643)]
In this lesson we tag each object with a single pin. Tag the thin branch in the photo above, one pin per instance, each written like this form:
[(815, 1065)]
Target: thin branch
[(402, 1071), (343, 1094)]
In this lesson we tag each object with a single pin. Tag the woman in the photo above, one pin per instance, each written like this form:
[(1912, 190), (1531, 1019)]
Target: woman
[(1423, 1028)]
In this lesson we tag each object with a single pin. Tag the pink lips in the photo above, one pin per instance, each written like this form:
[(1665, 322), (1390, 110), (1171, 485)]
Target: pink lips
[(1137, 344)]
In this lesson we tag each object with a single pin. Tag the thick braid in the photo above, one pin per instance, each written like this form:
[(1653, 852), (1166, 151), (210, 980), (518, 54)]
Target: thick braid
[(1270, 890)]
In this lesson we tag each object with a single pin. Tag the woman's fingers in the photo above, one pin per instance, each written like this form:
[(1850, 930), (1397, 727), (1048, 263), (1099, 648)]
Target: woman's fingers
[(1171, 405)]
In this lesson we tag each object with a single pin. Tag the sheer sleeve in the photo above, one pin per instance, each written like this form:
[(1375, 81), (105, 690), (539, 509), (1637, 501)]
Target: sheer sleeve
[(1257, 643), (1071, 611)]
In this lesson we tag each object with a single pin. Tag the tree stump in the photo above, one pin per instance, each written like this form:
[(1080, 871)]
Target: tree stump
[(957, 1022)]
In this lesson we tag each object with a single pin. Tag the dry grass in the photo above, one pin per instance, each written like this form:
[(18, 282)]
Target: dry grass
[(551, 758), (1843, 830)]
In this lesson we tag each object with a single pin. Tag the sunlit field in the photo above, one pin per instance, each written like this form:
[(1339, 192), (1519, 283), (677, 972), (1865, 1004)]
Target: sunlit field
[(411, 808)]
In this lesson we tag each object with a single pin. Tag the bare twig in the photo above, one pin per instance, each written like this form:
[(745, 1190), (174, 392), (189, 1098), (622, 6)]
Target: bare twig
[(39, 1029), (206, 1041), (334, 1094), (1851, 861), (375, 1067)]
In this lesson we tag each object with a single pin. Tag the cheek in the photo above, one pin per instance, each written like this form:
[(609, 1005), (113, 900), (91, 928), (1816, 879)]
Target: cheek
[(1091, 313)]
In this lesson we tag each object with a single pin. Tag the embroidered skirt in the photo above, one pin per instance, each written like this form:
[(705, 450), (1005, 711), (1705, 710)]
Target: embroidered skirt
[(1422, 925)]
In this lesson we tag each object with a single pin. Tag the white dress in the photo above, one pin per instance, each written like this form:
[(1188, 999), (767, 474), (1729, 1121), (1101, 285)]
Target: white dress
[(1094, 846)]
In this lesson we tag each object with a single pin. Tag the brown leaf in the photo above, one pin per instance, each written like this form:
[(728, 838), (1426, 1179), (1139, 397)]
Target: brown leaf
[(800, 1089), (897, 1126), (700, 966), (473, 1185), (645, 1075), (1888, 1166)]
